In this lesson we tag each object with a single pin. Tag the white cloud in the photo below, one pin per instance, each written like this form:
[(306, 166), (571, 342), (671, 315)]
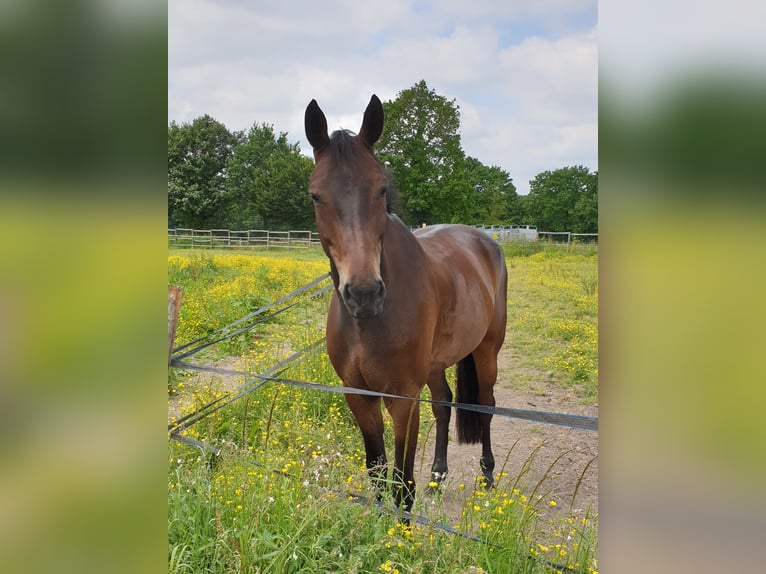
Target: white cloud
[(514, 10), (463, 57), (553, 79), (550, 115)]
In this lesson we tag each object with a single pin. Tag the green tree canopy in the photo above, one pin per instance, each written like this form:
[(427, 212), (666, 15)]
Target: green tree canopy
[(495, 200), (421, 145), (437, 182), (198, 154), (267, 183), (565, 199)]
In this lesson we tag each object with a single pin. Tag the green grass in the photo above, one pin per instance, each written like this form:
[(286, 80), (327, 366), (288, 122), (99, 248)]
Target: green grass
[(243, 517), (276, 498), (223, 286), (304, 254), (526, 248), (553, 319)]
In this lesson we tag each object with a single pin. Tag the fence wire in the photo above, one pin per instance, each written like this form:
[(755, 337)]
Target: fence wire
[(560, 419)]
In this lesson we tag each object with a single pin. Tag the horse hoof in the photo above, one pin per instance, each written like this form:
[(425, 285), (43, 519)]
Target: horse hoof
[(486, 482), (433, 488), (437, 479)]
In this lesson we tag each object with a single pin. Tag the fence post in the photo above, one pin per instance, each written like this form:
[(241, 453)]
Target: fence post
[(174, 306)]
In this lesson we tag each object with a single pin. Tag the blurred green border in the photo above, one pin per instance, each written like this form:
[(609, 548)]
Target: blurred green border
[(82, 294), (83, 383)]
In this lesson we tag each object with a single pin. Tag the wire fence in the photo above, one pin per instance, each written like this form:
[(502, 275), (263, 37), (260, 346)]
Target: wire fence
[(182, 352)]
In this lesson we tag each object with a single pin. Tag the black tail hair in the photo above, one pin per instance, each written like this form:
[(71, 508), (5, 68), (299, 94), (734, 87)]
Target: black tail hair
[(468, 423)]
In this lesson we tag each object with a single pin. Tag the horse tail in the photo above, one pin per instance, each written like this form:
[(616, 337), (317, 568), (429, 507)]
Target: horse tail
[(468, 423)]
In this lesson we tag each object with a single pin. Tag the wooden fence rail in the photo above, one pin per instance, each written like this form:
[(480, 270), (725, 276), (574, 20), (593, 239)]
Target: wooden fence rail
[(570, 237), (227, 239)]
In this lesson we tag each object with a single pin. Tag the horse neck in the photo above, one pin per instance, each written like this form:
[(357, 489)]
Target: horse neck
[(402, 254)]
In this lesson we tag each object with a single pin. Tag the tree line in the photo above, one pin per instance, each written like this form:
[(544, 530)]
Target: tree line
[(257, 179)]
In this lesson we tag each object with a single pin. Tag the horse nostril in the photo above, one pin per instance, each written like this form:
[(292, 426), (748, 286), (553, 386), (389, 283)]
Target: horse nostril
[(363, 293)]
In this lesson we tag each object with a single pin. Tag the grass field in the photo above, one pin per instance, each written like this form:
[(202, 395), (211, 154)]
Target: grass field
[(277, 497), (553, 317)]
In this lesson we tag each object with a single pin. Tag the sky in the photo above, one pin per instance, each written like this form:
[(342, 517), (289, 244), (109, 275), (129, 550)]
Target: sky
[(523, 73)]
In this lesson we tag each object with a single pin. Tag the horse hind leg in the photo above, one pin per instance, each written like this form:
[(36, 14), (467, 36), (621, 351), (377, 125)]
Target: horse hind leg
[(441, 392), (486, 374), (477, 374), (485, 363)]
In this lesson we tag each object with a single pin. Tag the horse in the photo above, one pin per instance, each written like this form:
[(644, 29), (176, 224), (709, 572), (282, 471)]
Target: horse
[(406, 306)]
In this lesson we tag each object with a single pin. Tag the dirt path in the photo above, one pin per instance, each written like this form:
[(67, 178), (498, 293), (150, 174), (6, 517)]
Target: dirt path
[(538, 447), (572, 481)]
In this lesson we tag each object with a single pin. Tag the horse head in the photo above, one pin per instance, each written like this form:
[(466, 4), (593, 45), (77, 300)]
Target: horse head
[(350, 191)]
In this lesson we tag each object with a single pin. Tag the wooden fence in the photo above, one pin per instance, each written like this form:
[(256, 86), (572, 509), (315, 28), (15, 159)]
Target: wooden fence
[(226, 239), (568, 237)]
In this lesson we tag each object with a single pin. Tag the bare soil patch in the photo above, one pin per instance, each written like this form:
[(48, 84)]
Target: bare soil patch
[(527, 449), (182, 398), (514, 444)]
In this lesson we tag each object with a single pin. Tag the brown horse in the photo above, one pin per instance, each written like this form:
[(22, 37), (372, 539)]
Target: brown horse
[(406, 306)]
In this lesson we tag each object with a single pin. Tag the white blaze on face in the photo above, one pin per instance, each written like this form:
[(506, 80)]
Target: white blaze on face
[(357, 260)]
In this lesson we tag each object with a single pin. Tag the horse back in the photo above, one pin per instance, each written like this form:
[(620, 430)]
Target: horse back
[(469, 276), (464, 251)]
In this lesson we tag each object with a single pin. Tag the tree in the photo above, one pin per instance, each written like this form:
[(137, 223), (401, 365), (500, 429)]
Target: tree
[(197, 157), (267, 183), (565, 199), (495, 200), (585, 214), (421, 146)]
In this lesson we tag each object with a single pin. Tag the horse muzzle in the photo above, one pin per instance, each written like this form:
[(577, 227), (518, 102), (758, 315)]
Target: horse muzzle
[(364, 300)]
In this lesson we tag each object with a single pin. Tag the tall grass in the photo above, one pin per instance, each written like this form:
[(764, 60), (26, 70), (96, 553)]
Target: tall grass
[(288, 491), (526, 248), (220, 288), (279, 502), (553, 318)]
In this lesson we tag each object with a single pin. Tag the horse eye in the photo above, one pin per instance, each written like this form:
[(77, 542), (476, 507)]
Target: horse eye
[(383, 191), (315, 198)]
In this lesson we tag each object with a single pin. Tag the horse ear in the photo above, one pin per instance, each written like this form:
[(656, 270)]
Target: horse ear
[(316, 127), (372, 124)]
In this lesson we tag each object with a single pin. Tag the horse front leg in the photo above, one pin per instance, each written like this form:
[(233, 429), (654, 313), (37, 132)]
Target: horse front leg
[(366, 411), (440, 391), (406, 418)]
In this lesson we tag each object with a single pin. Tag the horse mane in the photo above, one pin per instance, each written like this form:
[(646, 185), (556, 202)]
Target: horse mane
[(342, 144), (343, 148), (392, 194)]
